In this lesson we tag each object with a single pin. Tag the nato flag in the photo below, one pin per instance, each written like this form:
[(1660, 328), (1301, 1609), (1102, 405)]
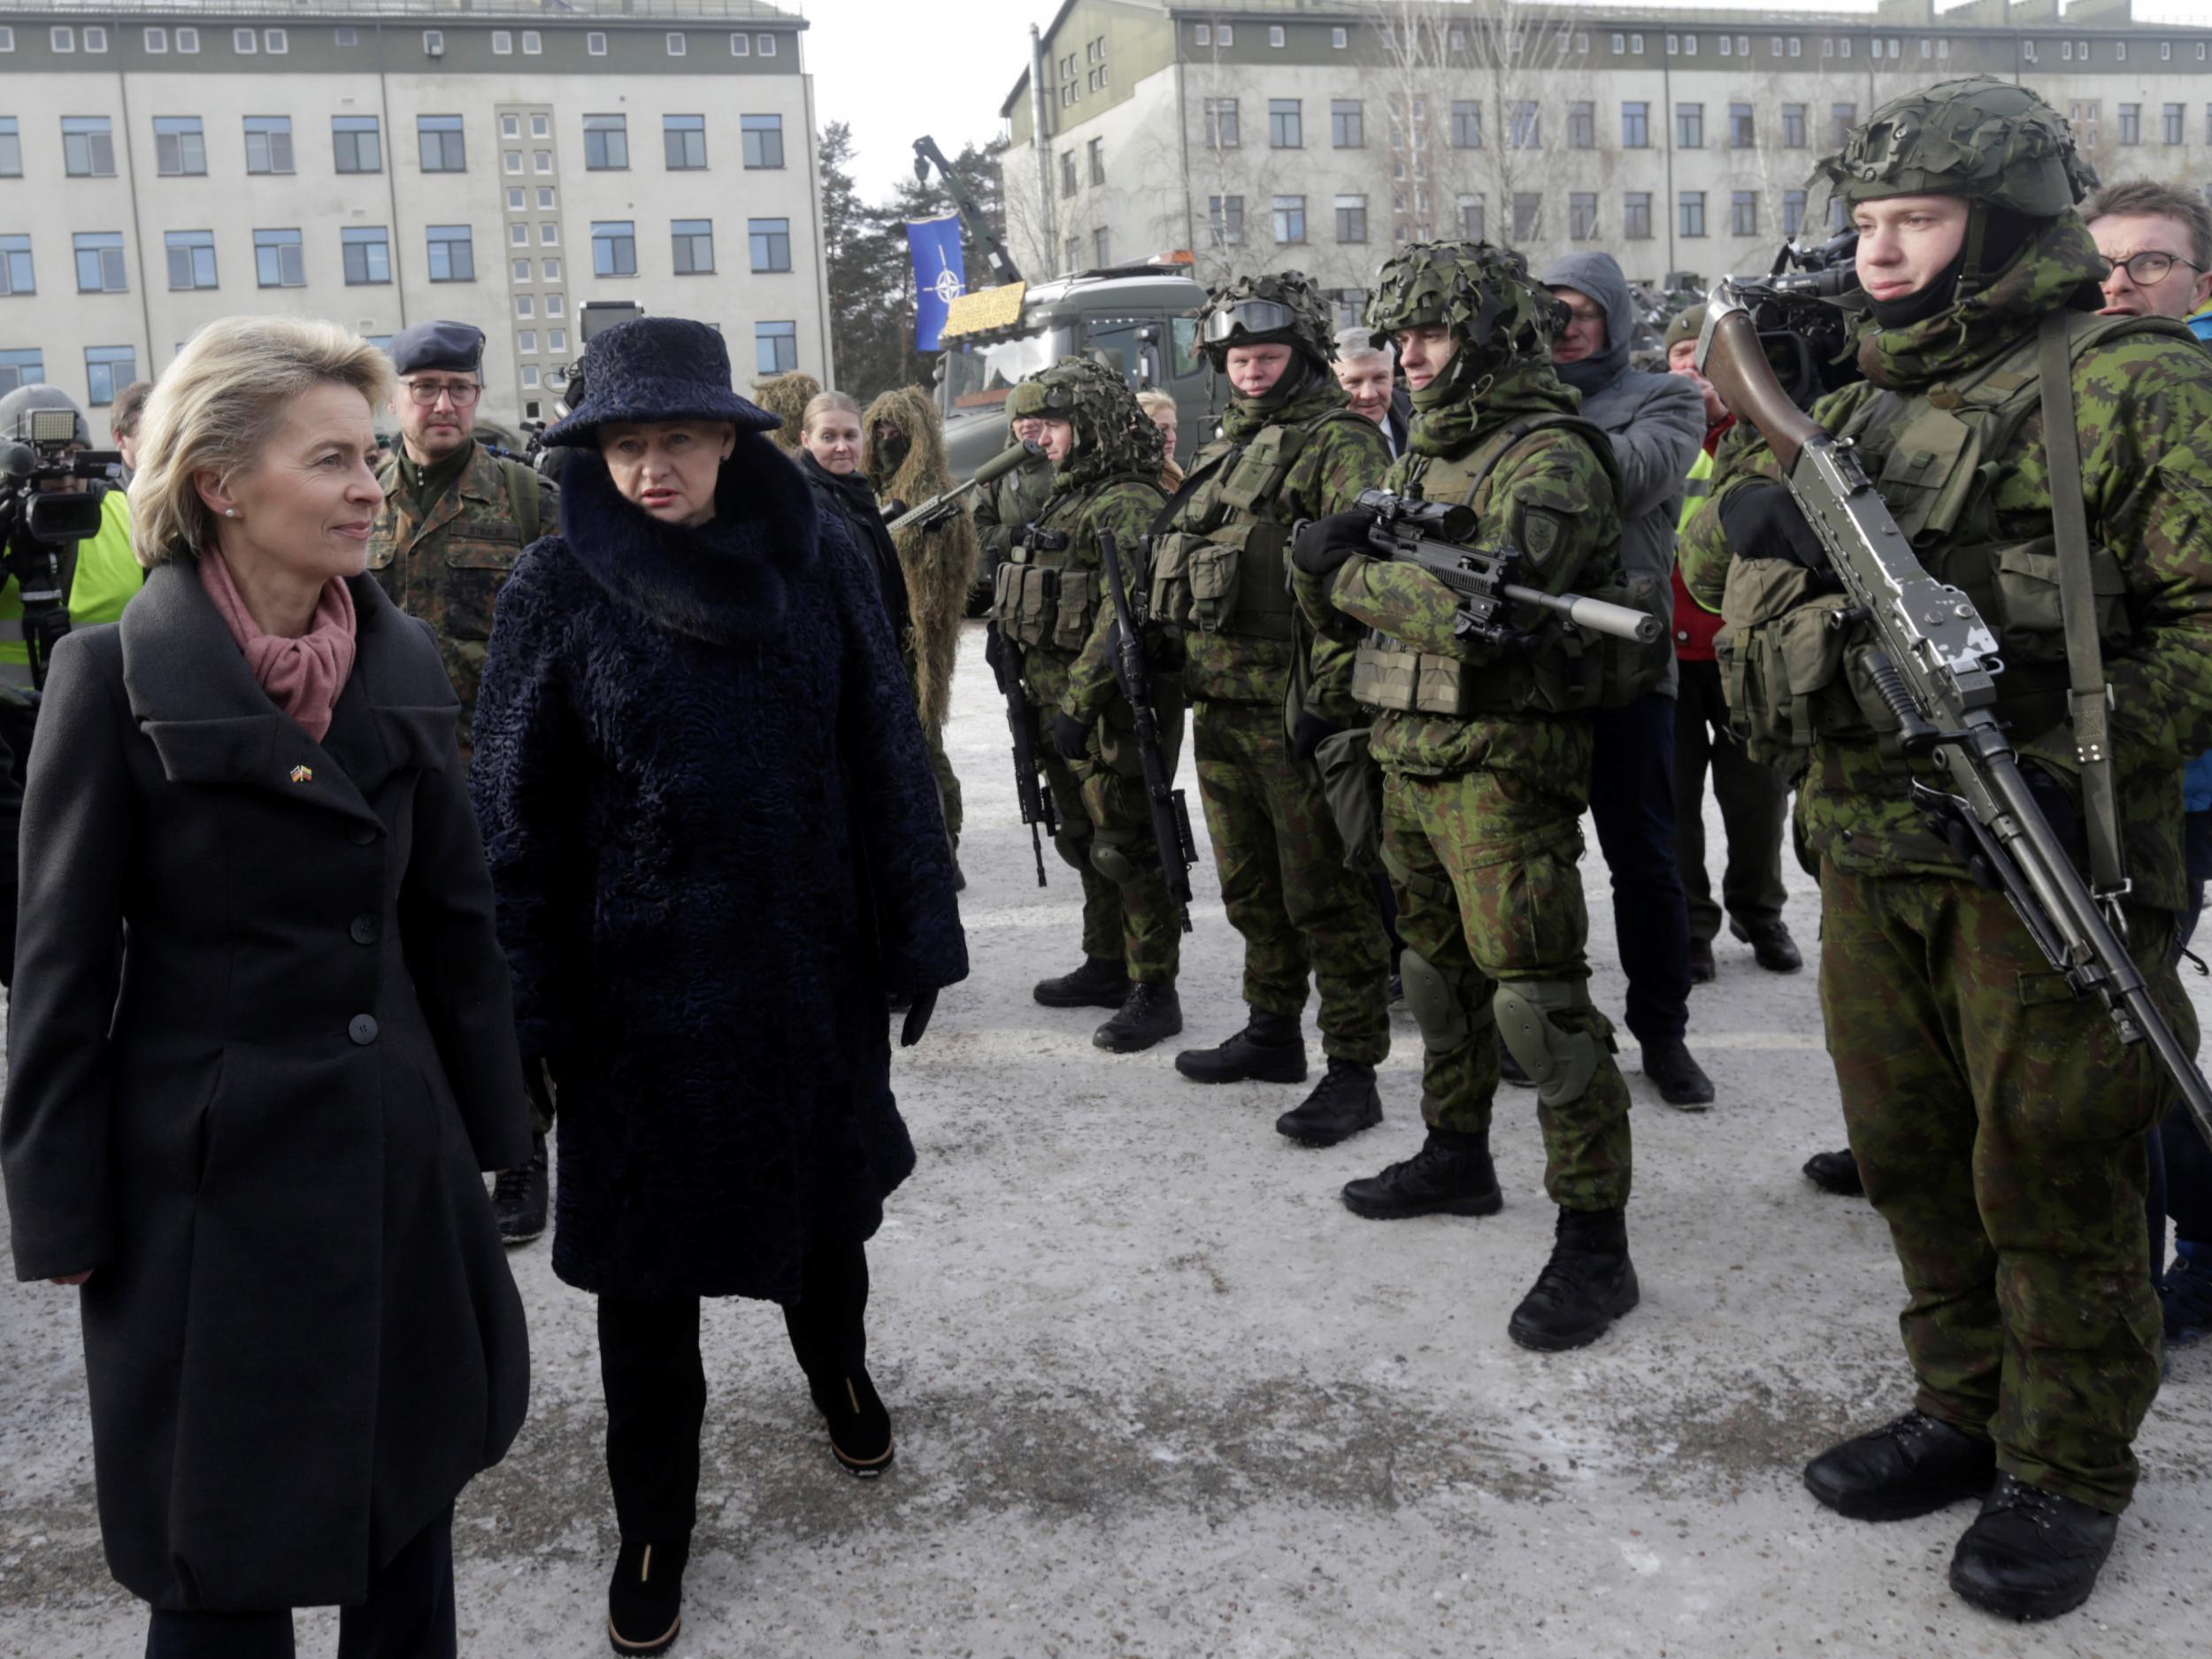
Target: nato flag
[(939, 274)]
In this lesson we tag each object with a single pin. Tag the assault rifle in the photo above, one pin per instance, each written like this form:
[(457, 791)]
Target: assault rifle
[(1038, 808), (1170, 814), (1934, 663), (937, 509), (1430, 534)]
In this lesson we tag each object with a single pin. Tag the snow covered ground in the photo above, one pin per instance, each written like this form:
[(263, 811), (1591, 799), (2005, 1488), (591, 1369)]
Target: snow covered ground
[(1158, 1393)]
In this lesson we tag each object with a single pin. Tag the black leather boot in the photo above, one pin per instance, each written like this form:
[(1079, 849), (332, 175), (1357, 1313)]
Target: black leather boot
[(1150, 1013), (859, 1426), (1681, 1081), (1588, 1283), (1271, 1048), (1344, 1102), (1836, 1172), (518, 1197), (645, 1603), (1451, 1175), (1914, 1466), (1703, 969), (2032, 1554), (1097, 984), (1771, 947)]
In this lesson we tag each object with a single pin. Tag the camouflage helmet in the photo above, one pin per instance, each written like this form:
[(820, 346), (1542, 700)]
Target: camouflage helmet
[(1283, 307), (1995, 143), (1482, 292), (1027, 401), (1112, 433)]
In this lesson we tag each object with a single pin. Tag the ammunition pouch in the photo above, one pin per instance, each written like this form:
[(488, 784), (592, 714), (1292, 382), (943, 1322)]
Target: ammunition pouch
[(1234, 580), (1781, 659), (1049, 606)]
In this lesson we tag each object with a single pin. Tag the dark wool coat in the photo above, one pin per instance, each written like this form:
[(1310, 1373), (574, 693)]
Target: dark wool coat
[(716, 844), (262, 1122)]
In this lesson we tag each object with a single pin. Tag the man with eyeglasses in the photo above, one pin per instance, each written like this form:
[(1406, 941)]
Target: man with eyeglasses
[(2158, 240), (455, 519)]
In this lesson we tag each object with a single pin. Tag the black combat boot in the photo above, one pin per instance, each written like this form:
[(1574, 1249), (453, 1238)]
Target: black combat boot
[(1588, 1283), (1150, 1013), (645, 1603), (1681, 1081), (1836, 1172), (1098, 983), (518, 1197), (1271, 1048), (1451, 1175), (2032, 1554), (1914, 1466), (1342, 1103), (859, 1426), (1771, 947)]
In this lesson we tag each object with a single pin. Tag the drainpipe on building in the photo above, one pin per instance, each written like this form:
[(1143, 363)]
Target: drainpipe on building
[(138, 227), (1050, 261)]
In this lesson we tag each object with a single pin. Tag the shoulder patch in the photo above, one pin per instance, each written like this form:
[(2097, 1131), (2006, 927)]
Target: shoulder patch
[(1540, 534)]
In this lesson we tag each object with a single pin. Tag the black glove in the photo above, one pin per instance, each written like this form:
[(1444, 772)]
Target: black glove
[(1966, 848), (1764, 521), (918, 1013), (1324, 545), (1071, 737), (1306, 736), (996, 655)]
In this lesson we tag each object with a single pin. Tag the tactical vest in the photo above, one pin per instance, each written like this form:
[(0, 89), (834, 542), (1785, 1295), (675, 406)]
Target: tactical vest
[(1043, 597), (1225, 565), (1935, 456), (1565, 669)]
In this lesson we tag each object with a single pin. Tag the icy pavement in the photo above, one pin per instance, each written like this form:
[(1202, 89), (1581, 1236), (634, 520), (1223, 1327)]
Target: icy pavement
[(1158, 1393)]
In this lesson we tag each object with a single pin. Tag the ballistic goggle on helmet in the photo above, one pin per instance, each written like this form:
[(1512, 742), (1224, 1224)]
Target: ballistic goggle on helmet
[(1282, 309)]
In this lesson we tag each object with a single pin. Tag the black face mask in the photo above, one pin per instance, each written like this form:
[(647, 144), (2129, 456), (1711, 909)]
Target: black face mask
[(2004, 233)]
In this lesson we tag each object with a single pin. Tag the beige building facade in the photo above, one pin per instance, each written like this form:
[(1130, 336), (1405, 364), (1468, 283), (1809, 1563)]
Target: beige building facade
[(391, 162)]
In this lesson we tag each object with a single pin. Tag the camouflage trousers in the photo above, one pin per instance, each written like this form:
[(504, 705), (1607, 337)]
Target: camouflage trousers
[(1483, 868), (1284, 883), (1999, 1127), (1134, 923)]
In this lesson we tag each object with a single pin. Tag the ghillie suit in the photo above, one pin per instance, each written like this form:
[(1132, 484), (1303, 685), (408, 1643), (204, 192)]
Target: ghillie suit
[(909, 467), (785, 396)]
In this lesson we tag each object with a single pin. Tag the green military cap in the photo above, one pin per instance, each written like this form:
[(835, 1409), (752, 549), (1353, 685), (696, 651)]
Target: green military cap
[(1686, 326)]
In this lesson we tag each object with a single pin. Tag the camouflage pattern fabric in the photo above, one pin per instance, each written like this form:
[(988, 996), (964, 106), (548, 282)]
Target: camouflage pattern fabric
[(1483, 866), (785, 396), (1004, 507), (448, 568), (1301, 912), (1998, 1124)]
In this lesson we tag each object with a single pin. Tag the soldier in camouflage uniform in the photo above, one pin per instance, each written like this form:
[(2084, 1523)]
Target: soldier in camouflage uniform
[(1485, 762), (1290, 449), (1998, 1123), (456, 518), (1051, 605), (1004, 507)]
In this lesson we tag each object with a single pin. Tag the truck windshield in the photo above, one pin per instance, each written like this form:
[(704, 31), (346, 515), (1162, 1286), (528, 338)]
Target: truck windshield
[(979, 373)]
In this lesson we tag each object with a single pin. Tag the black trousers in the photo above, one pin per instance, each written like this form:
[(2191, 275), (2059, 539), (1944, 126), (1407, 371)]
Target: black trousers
[(408, 1614), (1631, 800), (657, 1385), (1754, 810)]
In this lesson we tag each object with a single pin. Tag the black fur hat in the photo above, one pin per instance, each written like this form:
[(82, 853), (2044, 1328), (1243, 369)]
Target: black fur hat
[(655, 368)]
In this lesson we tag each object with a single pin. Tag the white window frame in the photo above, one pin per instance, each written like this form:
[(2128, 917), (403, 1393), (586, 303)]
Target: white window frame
[(529, 376), (533, 44), (1339, 39), (245, 43), (545, 198), (502, 42), (526, 305), (553, 305), (276, 42), (345, 37), (740, 45), (550, 233), (188, 42), (1635, 46), (518, 235), (525, 339), (595, 45), (513, 163), (678, 46), (541, 161), (511, 127), (764, 46), (434, 43), (96, 38), (156, 43), (1225, 35), (550, 269), (514, 198), (1275, 36), (540, 125), (520, 270), (7, 39), (62, 39), (1620, 44), (557, 342)]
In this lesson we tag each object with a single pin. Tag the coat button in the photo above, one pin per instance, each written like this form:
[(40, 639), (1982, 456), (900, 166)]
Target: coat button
[(362, 1029), (364, 930), (360, 834)]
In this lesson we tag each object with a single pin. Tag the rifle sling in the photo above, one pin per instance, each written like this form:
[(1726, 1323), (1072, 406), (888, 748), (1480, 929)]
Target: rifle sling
[(2090, 708)]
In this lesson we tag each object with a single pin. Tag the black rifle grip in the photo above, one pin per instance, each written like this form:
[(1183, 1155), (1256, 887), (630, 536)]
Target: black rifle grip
[(1915, 735)]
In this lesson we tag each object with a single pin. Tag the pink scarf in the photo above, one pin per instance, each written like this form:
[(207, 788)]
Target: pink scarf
[(303, 676)]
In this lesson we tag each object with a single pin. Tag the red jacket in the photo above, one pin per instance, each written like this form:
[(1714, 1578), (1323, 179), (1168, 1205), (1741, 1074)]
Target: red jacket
[(1694, 624)]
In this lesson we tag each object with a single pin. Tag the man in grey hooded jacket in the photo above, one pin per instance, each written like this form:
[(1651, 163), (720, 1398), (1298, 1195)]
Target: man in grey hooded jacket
[(1657, 423)]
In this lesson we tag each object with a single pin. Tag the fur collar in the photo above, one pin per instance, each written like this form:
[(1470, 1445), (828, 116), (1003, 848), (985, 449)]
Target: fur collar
[(726, 582)]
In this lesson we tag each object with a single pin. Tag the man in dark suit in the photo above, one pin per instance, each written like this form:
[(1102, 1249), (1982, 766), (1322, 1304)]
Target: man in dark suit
[(1368, 373)]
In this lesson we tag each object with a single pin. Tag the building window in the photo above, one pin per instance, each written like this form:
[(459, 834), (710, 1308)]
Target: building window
[(100, 262), (245, 43), (16, 274), (453, 254), (685, 139), (1793, 212), (11, 148), (595, 45), (606, 142), (1095, 152), (191, 258), (1635, 127), (1689, 126), (1527, 129), (1635, 46), (694, 244), (2173, 126), (549, 233), (1070, 256), (434, 43), (524, 306), (1841, 119), (23, 367), (533, 44), (2130, 123), (1692, 203), (1636, 216), (520, 270), (1351, 218), (1339, 39), (1290, 218), (1286, 128), (551, 270), (740, 46), (1528, 215), (1275, 34), (1620, 44), (107, 370), (677, 45), (769, 239), (502, 42), (276, 41), (525, 339), (542, 160), (518, 235), (87, 147), (1739, 126), (775, 348), (614, 248), (529, 376), (1067, 172), (1222, 131), (1225, 220), (511, 127), (556, 340), (440, 139), (279, 259), (764, 46), (360, 149), (514, 198), (268, 143), (1582, 215), (1348, 126), (1101, 248), (1743, 214), (368, 255), (1582, 127), (180, 147), (1793, 127), (545, 198), (1472, 219), (156, 42), (764, 140)]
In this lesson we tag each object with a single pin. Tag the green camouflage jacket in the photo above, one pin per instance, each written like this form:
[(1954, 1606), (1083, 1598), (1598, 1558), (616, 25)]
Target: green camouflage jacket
[(448, 568), (1003, 508), (1550, 489), (1083, 684), (2144, 409), (1339, 458)]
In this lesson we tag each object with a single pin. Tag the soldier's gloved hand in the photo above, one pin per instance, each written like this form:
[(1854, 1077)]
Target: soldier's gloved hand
[(918, 1013), (1764, 521), (1307, 735), (994, 653), (1324, 545), (1966, 848), (1070, 736), (892, 509)]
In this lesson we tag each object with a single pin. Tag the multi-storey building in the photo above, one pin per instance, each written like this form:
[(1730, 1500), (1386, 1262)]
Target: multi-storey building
[(1273, 134), (383, 162)]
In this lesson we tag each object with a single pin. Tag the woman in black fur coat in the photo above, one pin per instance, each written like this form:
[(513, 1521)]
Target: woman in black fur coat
[(717, 848)]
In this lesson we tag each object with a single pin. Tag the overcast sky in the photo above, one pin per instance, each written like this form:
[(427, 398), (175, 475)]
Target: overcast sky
[(895, 69)]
